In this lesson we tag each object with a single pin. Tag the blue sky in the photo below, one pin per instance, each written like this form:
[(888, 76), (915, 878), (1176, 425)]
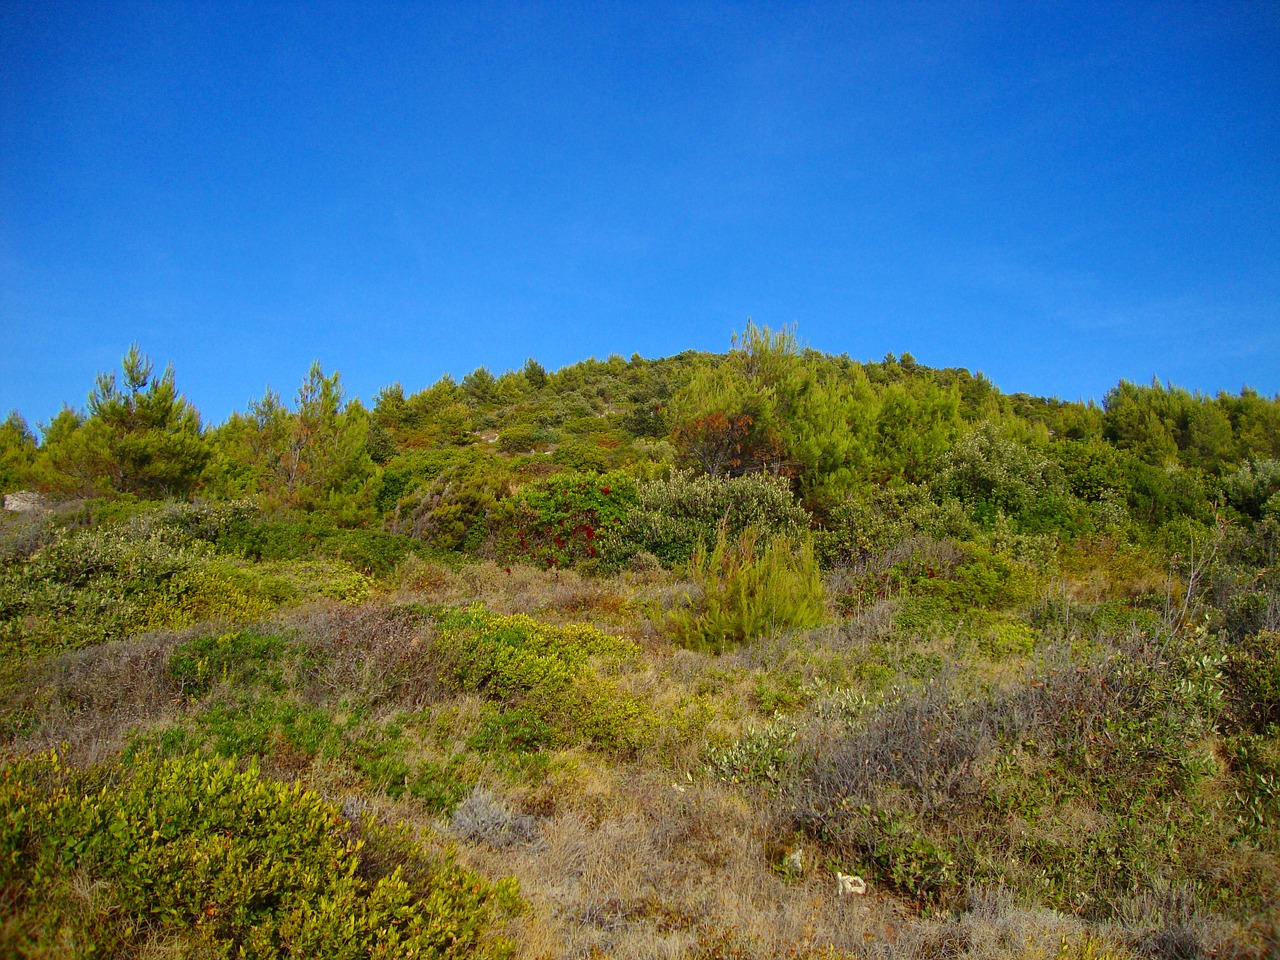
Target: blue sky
[(1058, 194)]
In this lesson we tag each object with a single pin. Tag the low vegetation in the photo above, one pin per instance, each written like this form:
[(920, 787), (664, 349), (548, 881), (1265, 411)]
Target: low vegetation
[(638, 659)]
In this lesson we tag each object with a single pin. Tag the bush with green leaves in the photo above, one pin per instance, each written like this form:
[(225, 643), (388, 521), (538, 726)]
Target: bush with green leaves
[(1252, 669), (194, 856), (161, 568), (764, 756), (548, 673), (866, 524), (562, 519), (330, 685), (992, 474), (238, 658), (672, 516), (451, 511), (1254, 489), (108, 583), (1255, 769), (746, 588), (287, 735), (519, 438), (372, 552), (979, 591), (583, 455)]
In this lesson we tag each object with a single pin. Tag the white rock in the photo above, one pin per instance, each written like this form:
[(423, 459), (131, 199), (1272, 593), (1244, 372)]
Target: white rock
[(849, 886), (24, 501)]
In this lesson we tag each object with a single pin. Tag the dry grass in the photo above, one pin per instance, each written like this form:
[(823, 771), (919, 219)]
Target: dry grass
[(655, 868), (1099, 570), (88, 701), (376, 652), (623, 603)]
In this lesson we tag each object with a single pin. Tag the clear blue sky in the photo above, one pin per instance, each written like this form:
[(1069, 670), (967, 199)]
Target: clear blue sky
[(1059, 194)]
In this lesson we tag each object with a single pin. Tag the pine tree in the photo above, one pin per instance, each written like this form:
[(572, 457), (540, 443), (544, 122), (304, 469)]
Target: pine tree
[(142, 438)]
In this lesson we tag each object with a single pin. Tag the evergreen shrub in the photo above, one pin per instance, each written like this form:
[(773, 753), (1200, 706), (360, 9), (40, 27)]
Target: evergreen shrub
[(546, 673), (671, 516), (106, 583), (192, 854), (562, 519), (746, 589)]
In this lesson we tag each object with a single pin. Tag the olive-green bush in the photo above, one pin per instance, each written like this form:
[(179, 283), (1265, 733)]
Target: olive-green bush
[(672, 516), (162, 568), (547, 672), (107, 583), (192, 855)]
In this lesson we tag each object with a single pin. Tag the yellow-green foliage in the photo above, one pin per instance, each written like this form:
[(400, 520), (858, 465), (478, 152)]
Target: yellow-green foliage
[(333, 579), (748, 589), (1105, 569), (215, 590), (1006, 636), (549, 670), (192, 853), (671, 515), (107, 583)]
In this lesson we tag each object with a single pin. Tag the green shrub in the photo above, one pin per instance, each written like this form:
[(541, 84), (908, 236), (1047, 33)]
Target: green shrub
[(225, 864), (988, 471), (582, 455), (450, 512), (546, 673), (291, 698), (938, 785), (1255, 765), (671, 516), (372, 552), (308, 579), (107, 583), (746, 589), (238, 658), (993, 475), (160, 568), (1253, 680), (943, 586), (761, 756), (438, 786), (899, 850), (519, 730), (873, 521), (779, 692), (310, 691), (519, 438), (1254, 489), (283, 733), (1004, 637), (561, 519)]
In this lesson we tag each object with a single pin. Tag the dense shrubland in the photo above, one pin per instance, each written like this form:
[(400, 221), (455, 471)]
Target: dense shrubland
[(663, 645)]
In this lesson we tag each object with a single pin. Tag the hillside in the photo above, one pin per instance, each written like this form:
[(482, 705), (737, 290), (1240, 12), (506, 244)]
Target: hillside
[(635, 658)]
